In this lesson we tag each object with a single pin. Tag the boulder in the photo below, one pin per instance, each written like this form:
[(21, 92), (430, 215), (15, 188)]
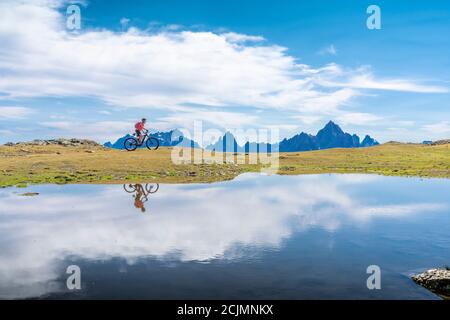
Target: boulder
[(435, 280)]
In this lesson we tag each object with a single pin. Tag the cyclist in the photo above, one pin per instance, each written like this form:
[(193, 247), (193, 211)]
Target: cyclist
[(140, 126)]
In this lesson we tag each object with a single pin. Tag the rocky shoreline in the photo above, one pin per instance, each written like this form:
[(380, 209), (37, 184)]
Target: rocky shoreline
[(435, 280), (61, 142)]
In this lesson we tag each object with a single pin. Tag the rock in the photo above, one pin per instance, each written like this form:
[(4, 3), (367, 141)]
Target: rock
[(61, 141), (435, 280), (29, 194), (441, 142)]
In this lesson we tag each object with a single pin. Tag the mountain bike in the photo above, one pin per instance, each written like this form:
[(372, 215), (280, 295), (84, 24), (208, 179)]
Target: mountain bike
[(132, 143)]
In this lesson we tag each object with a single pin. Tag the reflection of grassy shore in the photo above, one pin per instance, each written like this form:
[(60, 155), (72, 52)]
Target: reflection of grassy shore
[(22, 164)]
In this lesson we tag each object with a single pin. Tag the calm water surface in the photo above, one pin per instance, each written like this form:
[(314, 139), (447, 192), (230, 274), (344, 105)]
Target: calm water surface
[(268, 237)]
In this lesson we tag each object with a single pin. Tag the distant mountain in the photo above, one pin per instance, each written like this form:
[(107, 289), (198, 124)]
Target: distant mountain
[(166, 139), (299, 142), (227, 142), (368, 142), (331, 136)]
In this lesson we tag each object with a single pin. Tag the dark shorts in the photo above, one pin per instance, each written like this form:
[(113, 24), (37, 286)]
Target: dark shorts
[(138, 133)]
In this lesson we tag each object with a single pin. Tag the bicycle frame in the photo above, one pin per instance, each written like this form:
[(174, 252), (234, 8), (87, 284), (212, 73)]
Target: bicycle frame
[(145, 137)]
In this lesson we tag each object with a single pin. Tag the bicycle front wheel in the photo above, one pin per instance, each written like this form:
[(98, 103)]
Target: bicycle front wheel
[(130, 144), (152, 143), (151, 187)]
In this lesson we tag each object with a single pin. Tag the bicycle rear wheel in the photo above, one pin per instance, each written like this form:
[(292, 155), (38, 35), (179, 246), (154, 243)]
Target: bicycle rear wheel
[(130, 144), (129, 188), (152, 143)]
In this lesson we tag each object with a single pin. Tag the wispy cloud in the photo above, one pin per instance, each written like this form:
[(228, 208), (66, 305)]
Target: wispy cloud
[(363, 78), (124, 22), (438, 129), (358, 118), (99, 131), (330, 50), (184, 117), (14, 112)]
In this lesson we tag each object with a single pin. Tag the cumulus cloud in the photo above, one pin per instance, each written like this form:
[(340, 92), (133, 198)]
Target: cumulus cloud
[(168, 69)]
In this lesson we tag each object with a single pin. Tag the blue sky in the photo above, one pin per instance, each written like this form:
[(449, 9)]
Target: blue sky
[(292, 65)]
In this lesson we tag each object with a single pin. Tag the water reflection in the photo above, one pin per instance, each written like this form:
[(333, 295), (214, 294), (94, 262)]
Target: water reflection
[(141, 193), (234, 221)]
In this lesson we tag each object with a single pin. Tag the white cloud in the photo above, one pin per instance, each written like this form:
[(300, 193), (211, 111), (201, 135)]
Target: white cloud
[(438, 130), (307, 119), (184, 117), (236, 37), (99, 131), (330, 50), (358, 118), (124, 22), (363, 78), (14, 112), (168, 69)]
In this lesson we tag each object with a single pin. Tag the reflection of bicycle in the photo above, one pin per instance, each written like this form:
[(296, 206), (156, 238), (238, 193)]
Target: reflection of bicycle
[(149, 187), (141, 193), (132, 143)]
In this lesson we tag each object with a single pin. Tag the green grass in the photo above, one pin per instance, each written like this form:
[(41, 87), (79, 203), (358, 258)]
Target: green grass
[(23, 164)]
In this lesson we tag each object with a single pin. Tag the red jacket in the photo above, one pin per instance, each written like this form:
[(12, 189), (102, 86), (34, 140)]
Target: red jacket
[(139, 126)]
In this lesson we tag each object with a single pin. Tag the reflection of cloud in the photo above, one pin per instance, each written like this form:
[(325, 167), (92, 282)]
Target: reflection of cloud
[(198, 222)]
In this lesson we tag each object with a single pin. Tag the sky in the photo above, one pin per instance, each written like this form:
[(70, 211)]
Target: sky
[(291, 65)]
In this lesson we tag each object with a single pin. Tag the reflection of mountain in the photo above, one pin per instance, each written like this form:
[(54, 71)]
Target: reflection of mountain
[(198, 222)]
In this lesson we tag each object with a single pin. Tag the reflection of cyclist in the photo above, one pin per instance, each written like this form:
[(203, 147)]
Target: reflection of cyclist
[(140, 126), (138, 203), (141, 193)]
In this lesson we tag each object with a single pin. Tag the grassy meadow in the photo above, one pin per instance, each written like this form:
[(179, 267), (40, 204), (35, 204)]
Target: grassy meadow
[(24, 164)]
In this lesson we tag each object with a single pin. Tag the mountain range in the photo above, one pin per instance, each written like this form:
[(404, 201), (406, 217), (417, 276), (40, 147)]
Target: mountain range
[(331, 136), (166, 139)]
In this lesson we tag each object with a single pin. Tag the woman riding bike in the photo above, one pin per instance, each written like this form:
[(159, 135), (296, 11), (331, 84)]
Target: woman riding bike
[(140, 126)]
